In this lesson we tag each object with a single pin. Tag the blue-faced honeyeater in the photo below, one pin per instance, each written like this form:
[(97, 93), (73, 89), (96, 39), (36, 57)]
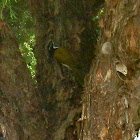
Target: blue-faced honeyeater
[(66, 57)]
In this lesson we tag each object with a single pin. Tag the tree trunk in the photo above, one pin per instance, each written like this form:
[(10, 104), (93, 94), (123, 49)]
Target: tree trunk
[(50, 109), (112, 89), (67, 24), (20, 104)]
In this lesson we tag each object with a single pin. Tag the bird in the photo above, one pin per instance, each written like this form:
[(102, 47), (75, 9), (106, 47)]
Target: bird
[(69, 59), (66, 57)]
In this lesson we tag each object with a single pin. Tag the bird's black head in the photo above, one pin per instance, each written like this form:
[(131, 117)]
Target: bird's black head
[(51, 49)]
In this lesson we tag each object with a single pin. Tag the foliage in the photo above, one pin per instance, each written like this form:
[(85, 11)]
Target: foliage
[(16, 12), (27, 53), (99, 15), (9, 5), (96, 20)]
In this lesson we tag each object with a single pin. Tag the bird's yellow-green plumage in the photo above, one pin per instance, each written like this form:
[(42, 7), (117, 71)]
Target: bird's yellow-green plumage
[(65, 56)]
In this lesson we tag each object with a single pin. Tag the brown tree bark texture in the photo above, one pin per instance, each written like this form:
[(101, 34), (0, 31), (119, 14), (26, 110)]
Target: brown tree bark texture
[(111, 99), (68, 24), (20, 105), (50, 109)]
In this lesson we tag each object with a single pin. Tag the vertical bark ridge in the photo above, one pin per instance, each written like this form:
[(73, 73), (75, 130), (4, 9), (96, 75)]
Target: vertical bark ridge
[(111, 98)]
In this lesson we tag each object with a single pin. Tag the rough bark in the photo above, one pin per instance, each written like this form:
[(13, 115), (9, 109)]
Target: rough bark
[(50, 109), (68, 24), (20, 105), (111, 100)]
